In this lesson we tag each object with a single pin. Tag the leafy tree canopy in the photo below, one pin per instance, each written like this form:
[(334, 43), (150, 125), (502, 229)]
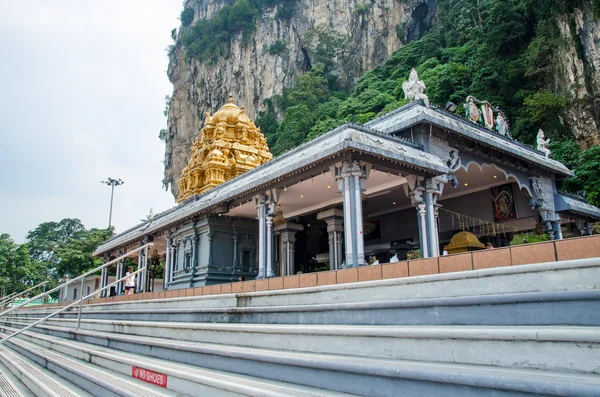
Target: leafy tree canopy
[(53, 250)]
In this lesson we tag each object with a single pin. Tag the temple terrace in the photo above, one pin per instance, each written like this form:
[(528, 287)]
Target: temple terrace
[(418, 181)]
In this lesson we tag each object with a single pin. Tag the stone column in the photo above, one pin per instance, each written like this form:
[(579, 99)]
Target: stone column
[(415, 190), (261, 207), (167, 264), (288, 231), (234, 264), (102, 283), (433, 191), (558, 230), (269, 244), (194, 264), (350, 177), (103, 279), (542, 200), (172, 259), (334, 219), (120, 274), (422, 219), (271, 209), (139, 277)]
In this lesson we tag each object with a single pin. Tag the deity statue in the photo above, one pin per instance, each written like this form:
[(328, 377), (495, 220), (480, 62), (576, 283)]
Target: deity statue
[(215, 155), (454, 163), (220, 132), (473, 112), (501, 124), (542, 143), (207, 119), (229, 157), (414, 89), (244, 135)]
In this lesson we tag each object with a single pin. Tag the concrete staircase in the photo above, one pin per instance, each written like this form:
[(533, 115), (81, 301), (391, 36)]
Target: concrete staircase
[(516, 331)]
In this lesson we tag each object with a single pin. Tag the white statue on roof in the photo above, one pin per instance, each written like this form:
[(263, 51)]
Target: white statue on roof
[(414, 89), (542, 143), (502, 125)]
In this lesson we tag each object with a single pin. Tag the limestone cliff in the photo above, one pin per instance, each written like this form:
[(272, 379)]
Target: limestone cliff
[(375, 29), (577, 73), (252, 74)]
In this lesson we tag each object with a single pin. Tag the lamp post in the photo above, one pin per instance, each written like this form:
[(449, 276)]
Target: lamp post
[(112, 183)]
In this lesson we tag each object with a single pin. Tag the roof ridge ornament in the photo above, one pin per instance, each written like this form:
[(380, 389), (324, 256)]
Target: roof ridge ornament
[(542, 143), (414, 89), (484, 116)]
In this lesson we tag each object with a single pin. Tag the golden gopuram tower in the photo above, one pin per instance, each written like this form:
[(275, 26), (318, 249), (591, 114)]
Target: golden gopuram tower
[(229, 144)]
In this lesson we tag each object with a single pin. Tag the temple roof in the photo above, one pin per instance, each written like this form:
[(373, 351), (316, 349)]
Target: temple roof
[(344, 138), (565, 202), (415, 113), (229, 144)]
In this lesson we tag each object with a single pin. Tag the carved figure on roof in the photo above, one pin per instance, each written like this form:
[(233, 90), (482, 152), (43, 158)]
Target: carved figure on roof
[(502, 125), (207, 119), (542, 143), (488, 115), (414, 89), (454, 163), (473, 112), (217, 155)]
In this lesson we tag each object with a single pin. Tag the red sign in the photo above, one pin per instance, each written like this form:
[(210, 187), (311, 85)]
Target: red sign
[(149, 376)]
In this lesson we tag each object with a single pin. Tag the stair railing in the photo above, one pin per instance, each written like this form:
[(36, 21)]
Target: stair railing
[(80, 278), (79, 302), (11, 298)]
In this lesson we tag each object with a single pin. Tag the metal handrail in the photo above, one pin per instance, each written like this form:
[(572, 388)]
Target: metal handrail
[(12, 298), (82, 278), (7, 298), (77, 302)]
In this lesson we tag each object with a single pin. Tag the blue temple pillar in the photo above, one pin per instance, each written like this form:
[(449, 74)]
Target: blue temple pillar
[(433, 191), (287, 242), (350, 177), (415, 190), (335, 227), (119, 274), (167, 273)]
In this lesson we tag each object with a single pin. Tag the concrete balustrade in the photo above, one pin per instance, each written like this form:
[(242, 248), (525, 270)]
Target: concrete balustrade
[(550, 251)]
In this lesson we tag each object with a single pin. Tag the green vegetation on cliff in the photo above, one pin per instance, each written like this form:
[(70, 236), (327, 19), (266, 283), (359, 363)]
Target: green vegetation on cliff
[(499, 51), (209, 39)]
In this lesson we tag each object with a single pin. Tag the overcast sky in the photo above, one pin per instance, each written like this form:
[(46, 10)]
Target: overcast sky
[(83, 87)]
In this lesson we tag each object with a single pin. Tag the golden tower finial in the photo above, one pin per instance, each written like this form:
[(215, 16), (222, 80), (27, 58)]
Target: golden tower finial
[(229, 144)]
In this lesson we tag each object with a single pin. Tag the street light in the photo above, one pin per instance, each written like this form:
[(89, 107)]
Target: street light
[(112, 183)]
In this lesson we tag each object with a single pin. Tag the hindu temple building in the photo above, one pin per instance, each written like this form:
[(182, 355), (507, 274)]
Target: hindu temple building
[(407, 182)]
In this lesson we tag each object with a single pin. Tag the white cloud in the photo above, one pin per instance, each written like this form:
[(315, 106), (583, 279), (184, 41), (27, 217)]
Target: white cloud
[(83, 92)]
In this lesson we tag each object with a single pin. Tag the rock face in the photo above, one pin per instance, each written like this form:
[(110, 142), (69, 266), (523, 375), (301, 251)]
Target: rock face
[(577, 74), (252, 74), (375, 29)]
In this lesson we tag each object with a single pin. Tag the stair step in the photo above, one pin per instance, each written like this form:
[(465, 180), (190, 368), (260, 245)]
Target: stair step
[(358, 375), (10, 386), (88, 377), (186, 378), (557, 348), (38, 379), (583, 274), (531, 308)]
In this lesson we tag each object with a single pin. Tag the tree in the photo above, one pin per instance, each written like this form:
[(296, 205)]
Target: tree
[(17, 271), (76, 253), (44, 239)]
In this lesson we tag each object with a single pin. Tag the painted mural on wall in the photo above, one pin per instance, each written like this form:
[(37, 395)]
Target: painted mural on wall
[(503, 200)]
